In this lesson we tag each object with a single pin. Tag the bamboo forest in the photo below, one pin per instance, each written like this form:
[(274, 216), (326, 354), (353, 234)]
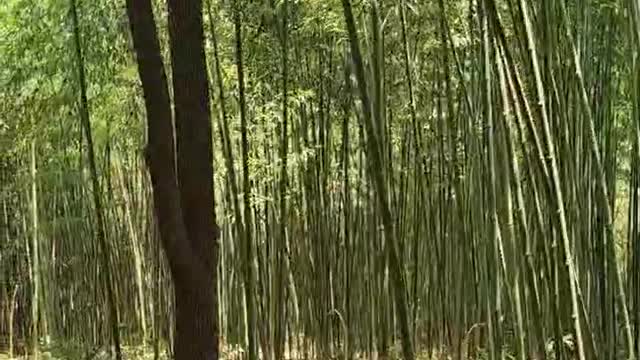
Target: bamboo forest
[(320, 179)]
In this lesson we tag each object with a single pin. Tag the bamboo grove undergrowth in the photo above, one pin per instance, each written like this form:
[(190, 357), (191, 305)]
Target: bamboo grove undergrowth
[(406, 178)]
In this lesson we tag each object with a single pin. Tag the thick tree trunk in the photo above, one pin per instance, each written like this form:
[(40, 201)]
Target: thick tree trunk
[(184, 198), (196, 301), (195, 330)]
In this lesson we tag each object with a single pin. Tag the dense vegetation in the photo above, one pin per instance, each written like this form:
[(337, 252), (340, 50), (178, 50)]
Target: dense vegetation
[(411, 179)]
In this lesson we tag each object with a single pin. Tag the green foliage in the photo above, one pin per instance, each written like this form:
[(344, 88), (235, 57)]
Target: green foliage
[(438, 187)]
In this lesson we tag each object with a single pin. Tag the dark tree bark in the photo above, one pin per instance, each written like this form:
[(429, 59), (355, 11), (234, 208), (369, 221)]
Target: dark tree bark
[(195, 316), (182, 194)]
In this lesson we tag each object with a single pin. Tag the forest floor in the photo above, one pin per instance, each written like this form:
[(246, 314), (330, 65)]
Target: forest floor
[(148, 354), (73, 351), (142, 353)]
